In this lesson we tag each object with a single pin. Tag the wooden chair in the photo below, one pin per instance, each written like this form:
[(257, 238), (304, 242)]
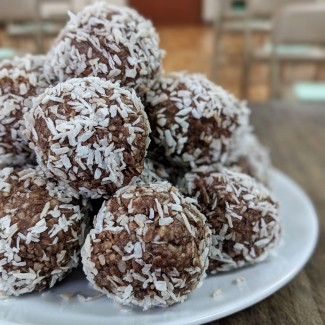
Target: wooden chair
[(264, 53), (37, 25), (306, 29), (228, 20), (18, 11)]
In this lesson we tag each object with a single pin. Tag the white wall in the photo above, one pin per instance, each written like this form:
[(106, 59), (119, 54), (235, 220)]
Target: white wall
[(209, 10)]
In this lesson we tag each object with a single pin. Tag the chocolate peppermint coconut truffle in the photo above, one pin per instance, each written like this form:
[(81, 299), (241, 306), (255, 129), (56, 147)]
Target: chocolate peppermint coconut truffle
[(110, 42), (193, 120), (149, 246), (41, 231), (242, 214), (249, 156), (20, 80), (89, 134)]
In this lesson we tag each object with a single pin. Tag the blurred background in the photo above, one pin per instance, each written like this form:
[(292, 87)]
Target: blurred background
[(257, 49)]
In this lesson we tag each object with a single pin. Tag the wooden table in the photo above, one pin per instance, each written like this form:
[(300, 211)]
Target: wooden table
[(295, 133)]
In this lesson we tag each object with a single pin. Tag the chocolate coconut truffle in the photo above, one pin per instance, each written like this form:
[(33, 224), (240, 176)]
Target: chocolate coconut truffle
[(41, 231), (193, 120), (149, 246), (242, 214), (107, 41), (89, 134), (249, 156), (20, 79)]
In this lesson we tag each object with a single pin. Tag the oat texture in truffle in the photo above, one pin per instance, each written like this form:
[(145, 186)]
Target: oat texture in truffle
[(192, 119), (41, 231), (20, 79), (89, 134), (109, 42), (249, 156), (149, 246), (242, 214)]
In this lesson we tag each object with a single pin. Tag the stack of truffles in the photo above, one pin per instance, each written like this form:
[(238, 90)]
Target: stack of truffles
[(181, 179)]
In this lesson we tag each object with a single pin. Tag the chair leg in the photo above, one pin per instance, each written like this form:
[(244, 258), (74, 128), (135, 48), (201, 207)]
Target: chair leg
[(318, 71), (8, 41), (216, 50), (274, 79), (245, 80), (38, 41), (38, 37), (216, 59)]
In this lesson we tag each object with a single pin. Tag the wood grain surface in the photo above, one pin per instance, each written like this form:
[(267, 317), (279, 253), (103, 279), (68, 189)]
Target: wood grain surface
[(295, 133)]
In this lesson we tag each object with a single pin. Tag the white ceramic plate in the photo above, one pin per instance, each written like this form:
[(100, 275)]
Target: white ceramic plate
[(300, 230)]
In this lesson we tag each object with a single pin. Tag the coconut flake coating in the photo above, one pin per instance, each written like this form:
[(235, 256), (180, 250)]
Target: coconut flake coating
[(149, 246), (89, 134), (156, 170), (249, 156), (41, 231), (192, 119), (153, 171), (163, 167), (107, 41), (242, 214), (20, 80)]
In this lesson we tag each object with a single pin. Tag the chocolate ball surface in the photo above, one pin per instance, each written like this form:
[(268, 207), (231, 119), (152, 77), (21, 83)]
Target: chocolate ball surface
[(89, 134), (242, 214), (20, 80), (248, 155), (193, 120), (110, 42), (42, 229), (148, 247)]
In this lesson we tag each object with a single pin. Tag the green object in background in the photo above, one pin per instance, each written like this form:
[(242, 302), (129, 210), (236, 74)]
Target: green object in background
[(238, 5), (288, 49), (309, 91), (6, 53)]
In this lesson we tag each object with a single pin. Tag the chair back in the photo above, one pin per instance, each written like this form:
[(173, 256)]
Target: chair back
[(226, 5), (55, 9), (221, 8), (267, 8), (261, 8), (18, 10), (300, 24)]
